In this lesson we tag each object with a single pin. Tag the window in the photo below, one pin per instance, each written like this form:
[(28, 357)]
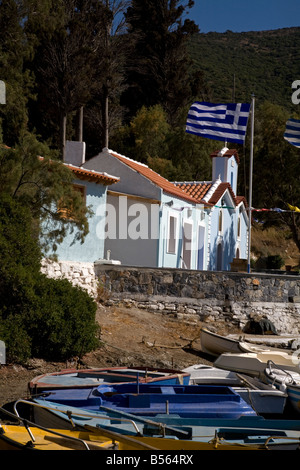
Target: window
[(220, 221), (65, 208), (172, 234), (239, 227), (187, 245)]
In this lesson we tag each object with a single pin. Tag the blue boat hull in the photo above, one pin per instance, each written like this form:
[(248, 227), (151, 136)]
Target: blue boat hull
[(191, 401), (59, 416), (293, 392)]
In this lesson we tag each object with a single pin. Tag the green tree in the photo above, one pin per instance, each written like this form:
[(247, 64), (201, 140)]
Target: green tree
[(149, 129), (19, 80), (168, 150), (158, 66), (78, 55), (276, 168), (20, 261), (103, 113), (39, 317), (67, 44), (43, 184)]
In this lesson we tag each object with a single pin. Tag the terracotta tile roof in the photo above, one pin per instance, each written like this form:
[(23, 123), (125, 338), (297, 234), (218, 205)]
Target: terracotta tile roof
[(161, 182), (218, 193), (240, 199), (201, 189), (92, 175), (195, 189)]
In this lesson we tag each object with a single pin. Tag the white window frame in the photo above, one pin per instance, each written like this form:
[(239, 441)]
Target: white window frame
[(187, 222), (201, 225), (172, 243)]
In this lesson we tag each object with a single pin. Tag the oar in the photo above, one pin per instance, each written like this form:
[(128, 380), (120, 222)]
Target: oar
[(160, 425), (121, 438)]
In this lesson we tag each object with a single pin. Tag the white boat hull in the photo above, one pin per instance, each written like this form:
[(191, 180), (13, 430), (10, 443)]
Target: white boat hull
[(254, 364), (205, 374), (262, 397), (214, 344), (286, 380)]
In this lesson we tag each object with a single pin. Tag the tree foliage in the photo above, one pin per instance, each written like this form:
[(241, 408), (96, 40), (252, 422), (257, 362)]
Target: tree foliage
[(135, 76), (276, 171), (158, 66), (43, 184), (39, 317)]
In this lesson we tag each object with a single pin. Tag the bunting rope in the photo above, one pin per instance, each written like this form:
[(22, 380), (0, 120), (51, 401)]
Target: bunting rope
[(253, 209)]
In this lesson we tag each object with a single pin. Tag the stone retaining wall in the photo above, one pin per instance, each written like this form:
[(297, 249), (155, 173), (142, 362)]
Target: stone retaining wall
[(208, 296), (190, 295), (79, 274)]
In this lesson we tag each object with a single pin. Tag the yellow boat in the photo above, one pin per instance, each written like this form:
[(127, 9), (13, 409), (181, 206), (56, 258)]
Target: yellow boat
[(29, 436), (272, 443), (19, 437)]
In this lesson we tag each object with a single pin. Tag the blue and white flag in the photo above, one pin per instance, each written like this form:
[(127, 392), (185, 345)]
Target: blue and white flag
[(292, 132), (227, 122)]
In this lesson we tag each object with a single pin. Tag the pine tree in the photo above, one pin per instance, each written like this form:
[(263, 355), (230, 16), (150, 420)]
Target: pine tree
[(18, 79), (276, 170), (158, 72)]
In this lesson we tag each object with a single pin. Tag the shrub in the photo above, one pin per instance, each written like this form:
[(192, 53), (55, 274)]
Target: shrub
[(16, 338), (274, 262), (63, 323), (41, 317)]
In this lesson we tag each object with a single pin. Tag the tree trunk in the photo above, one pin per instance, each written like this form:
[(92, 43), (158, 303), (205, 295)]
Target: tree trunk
[(79, 124), (105, 118), (63, 126)]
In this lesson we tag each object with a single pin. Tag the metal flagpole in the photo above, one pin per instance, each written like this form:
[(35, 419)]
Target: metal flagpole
[(250, 180)]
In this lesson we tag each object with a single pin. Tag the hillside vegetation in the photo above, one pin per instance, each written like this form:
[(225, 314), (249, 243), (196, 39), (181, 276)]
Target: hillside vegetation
[(273, 242), (261, 62)]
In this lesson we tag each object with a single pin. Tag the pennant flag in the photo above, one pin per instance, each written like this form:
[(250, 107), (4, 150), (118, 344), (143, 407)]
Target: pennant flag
[(293, 208), (292, 132), (227, 122)]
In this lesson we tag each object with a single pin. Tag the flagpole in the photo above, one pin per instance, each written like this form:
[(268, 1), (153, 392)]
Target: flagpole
[(250, 181)]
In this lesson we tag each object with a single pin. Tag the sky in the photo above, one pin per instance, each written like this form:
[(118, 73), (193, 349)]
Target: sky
[(245, 15)]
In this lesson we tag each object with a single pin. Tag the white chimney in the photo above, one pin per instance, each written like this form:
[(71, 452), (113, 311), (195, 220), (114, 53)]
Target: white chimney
[(75, 152)]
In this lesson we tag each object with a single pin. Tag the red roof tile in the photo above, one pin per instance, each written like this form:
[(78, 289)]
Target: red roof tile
[(91, 175), (200, 189), (220, 191), (161, 182), (195, 189), (240, 199)]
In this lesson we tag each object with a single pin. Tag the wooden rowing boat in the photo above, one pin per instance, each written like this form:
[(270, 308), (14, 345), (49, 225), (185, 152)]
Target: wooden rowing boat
[(215, 344), (176, 433), (18, 437), (153, 399), (30, 436), (254, 364), (88, 378), (289, 381), (261, 396)]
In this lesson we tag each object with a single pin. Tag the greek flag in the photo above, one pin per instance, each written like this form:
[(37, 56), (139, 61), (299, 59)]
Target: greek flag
[(292, 132), (227, 122)]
